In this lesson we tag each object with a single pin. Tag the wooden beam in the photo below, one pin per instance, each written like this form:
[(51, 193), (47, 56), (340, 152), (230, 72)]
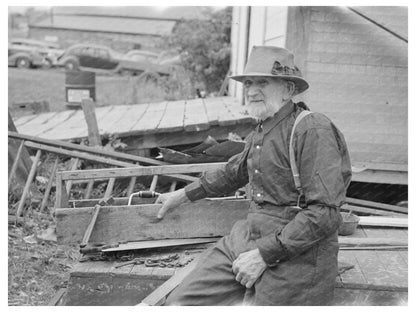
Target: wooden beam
[(88, 191), (99, 159), (153, 140), (384, 221), (154, 183), (139, 171), (118, 201), (109, 188), (75, 162), (61, 199), (49, 185), (161, 243), (371, 211), (88, 149), (156, 297), (367, 203), (136, 223), (29, 180), (345, 241), (15, 163), (91, 119)]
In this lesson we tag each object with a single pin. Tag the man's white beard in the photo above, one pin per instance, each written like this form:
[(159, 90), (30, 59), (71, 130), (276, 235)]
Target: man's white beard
[(259, 111)]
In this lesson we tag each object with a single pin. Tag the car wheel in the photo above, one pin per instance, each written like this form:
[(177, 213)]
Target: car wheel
[(71, 65), (47, 64), (149, 77), (23, 62)]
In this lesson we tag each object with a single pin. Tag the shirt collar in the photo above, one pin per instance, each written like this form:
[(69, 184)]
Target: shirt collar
[(271, 122)]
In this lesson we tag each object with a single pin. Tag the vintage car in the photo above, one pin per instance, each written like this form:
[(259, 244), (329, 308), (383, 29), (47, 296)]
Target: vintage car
[(98, 58), (26, 53)]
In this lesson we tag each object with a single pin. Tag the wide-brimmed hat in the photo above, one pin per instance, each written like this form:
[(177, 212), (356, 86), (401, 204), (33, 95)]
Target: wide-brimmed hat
[(275, 62)]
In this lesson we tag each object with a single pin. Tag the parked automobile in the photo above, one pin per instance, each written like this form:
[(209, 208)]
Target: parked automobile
[(100, 58), (30, 50)]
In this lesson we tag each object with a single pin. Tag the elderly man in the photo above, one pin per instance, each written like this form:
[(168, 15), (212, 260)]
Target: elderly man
[(285, 252)]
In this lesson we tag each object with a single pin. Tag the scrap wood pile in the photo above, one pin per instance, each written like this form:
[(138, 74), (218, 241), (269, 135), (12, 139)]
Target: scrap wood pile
[(125, 229)]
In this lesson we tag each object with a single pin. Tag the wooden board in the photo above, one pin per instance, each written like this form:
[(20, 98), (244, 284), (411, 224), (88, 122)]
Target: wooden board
[(161, 243), (384, 221), (135, 223), (133, 115), (150, 119), (138, 171), (172, 120), (195, 117), (43, 128)]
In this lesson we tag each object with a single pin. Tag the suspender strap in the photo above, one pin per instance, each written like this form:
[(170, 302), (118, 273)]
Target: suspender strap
[(293, 166)]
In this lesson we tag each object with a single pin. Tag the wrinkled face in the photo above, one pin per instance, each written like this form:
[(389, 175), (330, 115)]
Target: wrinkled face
[(264, 96)]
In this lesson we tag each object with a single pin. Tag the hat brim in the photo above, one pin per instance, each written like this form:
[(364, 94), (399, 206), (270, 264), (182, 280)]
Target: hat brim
[(300, 83)]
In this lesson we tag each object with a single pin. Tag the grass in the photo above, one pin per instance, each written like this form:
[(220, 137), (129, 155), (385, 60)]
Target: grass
[(35, 85)]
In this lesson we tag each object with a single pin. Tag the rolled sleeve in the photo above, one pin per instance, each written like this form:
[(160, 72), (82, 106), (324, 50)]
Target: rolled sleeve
[(222, 181)]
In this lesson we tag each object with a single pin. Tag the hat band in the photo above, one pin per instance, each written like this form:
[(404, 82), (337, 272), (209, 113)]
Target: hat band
[(279, 69)]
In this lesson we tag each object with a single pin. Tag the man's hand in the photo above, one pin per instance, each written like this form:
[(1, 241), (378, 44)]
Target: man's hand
[(170, 201), (248, 267)]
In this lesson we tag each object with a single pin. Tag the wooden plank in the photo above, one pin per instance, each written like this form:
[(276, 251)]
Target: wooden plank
[(67, 128), (49, 185), (139, 171), (24, 119), (376, 205), (152, 140), (37, 123), (195, 118), (103, 160), (384, 221), (214, 108), (154, 183), (135, 223), (57, 298), (89, 188), (29, 180), (376, 273), (161, 243), (61, 199), (51, 123), (355, 274), (161, 292), (88, 149), (381, 176), (75, 154), (133, 114), (370, 211), (75, 163), (172, 120), (88, 108), (345, 241), (118, 201), (130, 188), (115, 114), (151, 118), (109, 189), (15, 163)]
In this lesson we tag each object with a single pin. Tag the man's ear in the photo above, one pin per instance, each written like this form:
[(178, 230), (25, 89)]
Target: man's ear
[(290, 90)]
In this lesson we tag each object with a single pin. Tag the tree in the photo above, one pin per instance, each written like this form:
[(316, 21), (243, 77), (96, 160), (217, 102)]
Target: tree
[(204, 47)]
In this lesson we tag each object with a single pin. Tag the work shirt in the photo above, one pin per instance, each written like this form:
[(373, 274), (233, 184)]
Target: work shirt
[(325, 173)]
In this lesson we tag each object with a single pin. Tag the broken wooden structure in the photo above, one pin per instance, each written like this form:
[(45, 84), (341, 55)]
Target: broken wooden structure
[(146, 126), (376, 252)]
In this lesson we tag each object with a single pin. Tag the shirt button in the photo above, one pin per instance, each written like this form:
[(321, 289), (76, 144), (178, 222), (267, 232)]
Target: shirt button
[(256, 171), (258, 146), (258, 194)]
